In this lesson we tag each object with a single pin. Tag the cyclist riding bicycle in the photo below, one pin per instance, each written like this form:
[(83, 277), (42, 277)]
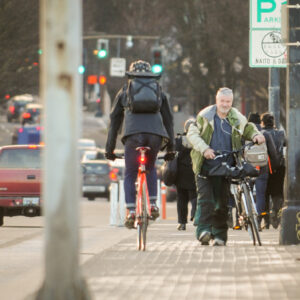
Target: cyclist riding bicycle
[(148, 122), (218, 127)]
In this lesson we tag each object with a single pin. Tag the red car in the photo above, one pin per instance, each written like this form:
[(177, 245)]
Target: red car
[(20, 181)]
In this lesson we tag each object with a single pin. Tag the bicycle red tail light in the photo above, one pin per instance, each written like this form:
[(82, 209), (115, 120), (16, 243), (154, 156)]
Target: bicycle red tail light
[(142, 159)]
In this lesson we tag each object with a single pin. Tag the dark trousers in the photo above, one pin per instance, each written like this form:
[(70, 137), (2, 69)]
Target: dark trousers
[(275, 189), (212, 210), (132, 165), (184, 196), (261, 187)]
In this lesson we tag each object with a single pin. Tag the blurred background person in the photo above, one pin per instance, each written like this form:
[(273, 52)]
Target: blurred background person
[(185, 179), (264, 172), (274, 190)]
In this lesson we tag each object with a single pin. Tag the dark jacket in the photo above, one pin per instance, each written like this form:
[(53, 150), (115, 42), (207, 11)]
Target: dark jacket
[(160, 123), (280, 141), (185, 176), (272, 152)]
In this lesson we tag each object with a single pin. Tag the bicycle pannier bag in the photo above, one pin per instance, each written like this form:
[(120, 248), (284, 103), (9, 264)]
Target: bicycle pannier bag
[(169, 172), (256, 155), (144, 95)]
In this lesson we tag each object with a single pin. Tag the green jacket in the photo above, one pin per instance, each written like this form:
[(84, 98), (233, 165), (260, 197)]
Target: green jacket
[(200, 133)]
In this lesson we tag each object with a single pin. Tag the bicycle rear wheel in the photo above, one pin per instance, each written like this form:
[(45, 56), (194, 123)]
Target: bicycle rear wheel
[(144, 218), (252, 213)]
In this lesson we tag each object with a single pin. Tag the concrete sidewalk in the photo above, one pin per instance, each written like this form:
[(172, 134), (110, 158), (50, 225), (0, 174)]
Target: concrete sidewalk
[(176, 266)]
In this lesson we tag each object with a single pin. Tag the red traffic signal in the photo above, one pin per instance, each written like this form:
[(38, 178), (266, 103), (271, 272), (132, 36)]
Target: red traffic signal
[(102, 79), (92, 79)]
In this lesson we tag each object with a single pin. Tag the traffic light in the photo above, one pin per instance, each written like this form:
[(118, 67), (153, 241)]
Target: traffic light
[(81, 69), (102, 79), (157, 60), (102, 47)]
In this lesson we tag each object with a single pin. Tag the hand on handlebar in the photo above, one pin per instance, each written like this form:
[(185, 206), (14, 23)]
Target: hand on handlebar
[(110, 156), (169, 156), (259, 139), (209, 153)]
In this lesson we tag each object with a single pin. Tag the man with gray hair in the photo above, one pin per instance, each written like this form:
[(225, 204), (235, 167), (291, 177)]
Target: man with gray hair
[(218, 127)]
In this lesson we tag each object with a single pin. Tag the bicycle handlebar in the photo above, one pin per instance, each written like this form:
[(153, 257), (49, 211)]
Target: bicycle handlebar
[(233, 151)]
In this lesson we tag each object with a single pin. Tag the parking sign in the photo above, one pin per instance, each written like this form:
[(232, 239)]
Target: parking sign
[(266, 48)]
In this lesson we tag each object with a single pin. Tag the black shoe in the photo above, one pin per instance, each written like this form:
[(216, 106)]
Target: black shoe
[(274, 219), (154, 212), (205, 237), (181, 227), (130, 219)]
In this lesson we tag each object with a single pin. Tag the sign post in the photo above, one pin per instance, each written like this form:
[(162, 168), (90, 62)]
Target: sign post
[(266, 48)]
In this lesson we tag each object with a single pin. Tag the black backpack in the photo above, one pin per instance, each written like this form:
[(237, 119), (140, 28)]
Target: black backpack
[(144, 95)]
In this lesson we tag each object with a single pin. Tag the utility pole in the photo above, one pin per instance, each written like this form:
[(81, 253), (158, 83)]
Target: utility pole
[(274, 94), (290, 223), (61, 92)]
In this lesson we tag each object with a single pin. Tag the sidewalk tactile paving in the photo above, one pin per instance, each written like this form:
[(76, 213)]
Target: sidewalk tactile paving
[(176, 266)]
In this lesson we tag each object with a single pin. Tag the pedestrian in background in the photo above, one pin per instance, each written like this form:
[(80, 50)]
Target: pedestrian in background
[(218, 127), (276, 178), (185, 179), (262, 179)]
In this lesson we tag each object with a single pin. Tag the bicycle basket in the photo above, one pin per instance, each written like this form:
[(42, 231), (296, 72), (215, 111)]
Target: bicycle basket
[(256, 155)]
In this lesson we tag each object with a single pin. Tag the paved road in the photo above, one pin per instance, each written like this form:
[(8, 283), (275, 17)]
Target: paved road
[(22, 252), (176, 266)]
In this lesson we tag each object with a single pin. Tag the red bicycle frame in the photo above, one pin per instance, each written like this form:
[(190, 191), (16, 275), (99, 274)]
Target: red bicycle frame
[(142, 181)]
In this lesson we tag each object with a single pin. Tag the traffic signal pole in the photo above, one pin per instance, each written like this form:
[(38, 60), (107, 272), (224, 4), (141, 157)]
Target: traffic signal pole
[(61, 92), (290, 223)]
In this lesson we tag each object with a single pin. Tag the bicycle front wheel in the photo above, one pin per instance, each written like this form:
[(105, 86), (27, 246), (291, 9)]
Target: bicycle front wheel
[(252, 215), (139, 233)]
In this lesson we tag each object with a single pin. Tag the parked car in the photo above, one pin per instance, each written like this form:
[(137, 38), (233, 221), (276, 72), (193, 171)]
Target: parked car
[(28, 134), (16, 106), (31, 114), (20, 181), (96, 180)]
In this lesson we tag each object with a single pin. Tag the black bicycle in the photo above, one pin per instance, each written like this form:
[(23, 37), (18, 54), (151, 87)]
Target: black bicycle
[(241, 176)]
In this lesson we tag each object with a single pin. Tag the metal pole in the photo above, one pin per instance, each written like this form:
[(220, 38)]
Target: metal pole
[(274, 94), (61, 92), (119, 47), (290, 223)]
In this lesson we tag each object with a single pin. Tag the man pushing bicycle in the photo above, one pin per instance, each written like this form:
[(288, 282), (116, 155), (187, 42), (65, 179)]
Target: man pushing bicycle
[(148, 122), (218, 127)]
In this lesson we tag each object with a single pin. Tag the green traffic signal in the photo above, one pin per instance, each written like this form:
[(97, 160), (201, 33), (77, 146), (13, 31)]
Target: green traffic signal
[(157, 68), (102, 53), (81, 69)]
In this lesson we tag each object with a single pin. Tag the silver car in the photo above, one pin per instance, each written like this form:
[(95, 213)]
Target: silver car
[(96, 180)]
